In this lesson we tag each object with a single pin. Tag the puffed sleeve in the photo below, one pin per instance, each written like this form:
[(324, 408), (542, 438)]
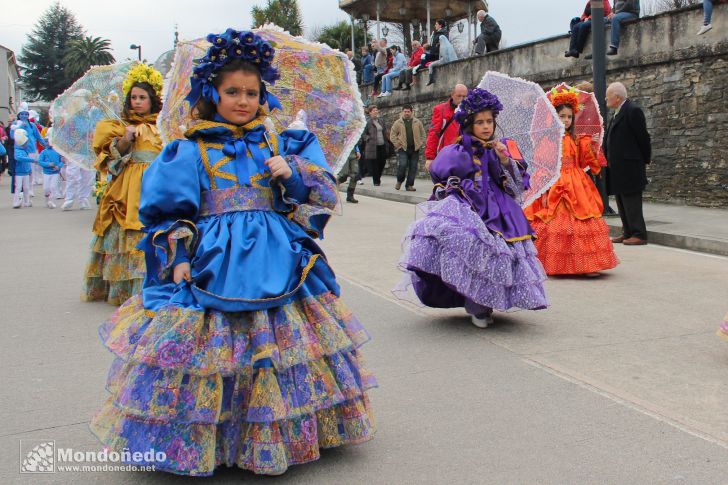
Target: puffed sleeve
[(108, 158), (312, 191), (169, 206), (587, 156)]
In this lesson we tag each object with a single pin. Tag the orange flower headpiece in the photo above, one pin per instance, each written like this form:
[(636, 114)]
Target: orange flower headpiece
[(567, 96)]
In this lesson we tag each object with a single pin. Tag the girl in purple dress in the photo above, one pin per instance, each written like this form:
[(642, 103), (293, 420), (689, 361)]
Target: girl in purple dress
[(473, 246)]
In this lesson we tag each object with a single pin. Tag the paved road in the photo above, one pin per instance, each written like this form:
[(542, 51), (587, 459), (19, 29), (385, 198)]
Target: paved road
[(621, 381)]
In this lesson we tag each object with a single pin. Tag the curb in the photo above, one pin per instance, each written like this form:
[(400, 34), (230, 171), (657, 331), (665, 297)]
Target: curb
[(680, 241)]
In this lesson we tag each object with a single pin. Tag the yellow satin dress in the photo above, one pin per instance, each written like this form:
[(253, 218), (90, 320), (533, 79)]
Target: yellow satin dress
[(116, 269)]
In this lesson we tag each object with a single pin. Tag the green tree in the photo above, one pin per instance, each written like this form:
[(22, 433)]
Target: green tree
[(41, 58), (86, 52), (283, 13), (338, 36)]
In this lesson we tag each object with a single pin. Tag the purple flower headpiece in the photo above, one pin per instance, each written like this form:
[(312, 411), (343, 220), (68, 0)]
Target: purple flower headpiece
[(233, 44), (476, 101)]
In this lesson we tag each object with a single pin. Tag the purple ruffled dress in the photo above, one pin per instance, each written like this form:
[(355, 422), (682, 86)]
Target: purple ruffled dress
[(473, 246)]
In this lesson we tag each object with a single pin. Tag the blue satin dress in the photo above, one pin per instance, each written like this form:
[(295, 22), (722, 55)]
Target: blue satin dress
[(255, 361)]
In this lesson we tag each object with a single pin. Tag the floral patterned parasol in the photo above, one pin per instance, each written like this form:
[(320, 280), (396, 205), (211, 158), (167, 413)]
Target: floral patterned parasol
[(314, 78)]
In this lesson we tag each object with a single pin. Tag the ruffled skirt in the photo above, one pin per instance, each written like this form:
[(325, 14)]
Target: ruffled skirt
[(723, 329), (262, 390), (453, 260), (116, 268), (567, 245)]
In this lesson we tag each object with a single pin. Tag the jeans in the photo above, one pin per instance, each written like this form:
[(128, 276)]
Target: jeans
[(387, 81), (407, 164), (368, 74), (579, 34), (707, 11), (617, 20)]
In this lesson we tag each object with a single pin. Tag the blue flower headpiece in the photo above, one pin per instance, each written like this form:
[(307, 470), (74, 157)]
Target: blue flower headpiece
[(226, 47), (476, 101)]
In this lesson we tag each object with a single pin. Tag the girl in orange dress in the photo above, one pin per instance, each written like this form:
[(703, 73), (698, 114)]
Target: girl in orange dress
[(572, 236)]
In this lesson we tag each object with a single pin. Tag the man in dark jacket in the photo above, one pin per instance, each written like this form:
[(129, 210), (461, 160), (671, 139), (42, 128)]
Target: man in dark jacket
[(628, 150), (490, 33)]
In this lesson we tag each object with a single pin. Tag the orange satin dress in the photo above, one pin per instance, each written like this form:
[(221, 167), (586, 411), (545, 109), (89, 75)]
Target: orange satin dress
[(572, 237)]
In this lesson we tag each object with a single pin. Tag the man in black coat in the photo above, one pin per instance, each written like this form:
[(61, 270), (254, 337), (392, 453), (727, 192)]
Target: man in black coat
[(628, 151), (490, 33)]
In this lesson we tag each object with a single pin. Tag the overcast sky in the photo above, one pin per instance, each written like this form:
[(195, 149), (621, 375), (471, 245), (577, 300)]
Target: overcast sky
[(151, 22)]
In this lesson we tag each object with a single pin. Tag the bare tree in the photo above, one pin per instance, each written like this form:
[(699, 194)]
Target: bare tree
[(652, 7)]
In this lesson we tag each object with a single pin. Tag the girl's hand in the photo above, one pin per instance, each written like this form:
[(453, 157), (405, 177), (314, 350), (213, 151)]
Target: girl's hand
[(181, 272), (130, 133), (279, 167), (502, 152)]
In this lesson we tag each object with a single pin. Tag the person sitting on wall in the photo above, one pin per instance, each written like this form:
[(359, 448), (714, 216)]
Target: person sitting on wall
[(433, 51), (367, 67), (490, 33), (580, 29), (405, 77), (623, 11)]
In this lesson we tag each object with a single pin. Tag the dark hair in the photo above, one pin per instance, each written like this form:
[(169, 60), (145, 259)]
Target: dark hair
[(407, 106), (154, 97), (205, 109), (560, 107), (371, 107), (441, 22), (467, 126)]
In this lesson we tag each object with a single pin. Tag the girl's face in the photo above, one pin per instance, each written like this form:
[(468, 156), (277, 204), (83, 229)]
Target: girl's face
[(239, 97), (374, 113), (141, 103), (566, 115), (484, 125)]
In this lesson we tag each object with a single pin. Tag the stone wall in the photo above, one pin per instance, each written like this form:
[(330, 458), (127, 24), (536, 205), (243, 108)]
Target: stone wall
[(679, 79)]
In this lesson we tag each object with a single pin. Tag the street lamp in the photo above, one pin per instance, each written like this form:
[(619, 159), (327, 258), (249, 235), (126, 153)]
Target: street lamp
[(137, 48), (385, 31), (461, 27)]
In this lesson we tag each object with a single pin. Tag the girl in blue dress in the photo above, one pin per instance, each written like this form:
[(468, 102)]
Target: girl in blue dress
[(238, 350)]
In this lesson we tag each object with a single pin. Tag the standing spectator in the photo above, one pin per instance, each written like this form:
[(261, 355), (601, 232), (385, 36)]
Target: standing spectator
[(376, 137), (407, 136), (350, 172), (405, 77), (399, 62), (447, 54), (623, 11), (580, 29), (707, 16), (443, 128), (628, 151), (433, 51), (357, 64), (490, 33), (367, 67)]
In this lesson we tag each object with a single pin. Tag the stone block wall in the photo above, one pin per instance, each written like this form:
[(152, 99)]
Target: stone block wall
[(679, 79)]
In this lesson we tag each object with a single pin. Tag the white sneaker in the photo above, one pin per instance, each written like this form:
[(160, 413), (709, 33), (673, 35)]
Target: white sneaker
[(29, 204), (361, 182), (84, 205), (32, 194), (481, 322), (704, 29), (50, 205), (67, 205), (385, 94), (16, 206)]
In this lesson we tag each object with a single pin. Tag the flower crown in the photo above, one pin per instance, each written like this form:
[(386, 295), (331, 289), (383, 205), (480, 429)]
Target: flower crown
[(230, 45), (141, 73), (567, 96), (476, 101)]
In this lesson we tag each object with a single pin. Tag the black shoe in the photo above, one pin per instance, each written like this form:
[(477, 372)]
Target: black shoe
[(588, 57), (407, 88), (571, 54), (612, 51), (431, 81), (352, 200)]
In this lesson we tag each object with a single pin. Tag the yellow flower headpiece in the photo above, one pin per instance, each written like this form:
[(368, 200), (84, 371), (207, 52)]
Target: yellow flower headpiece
[(567, 96), (141, 73)]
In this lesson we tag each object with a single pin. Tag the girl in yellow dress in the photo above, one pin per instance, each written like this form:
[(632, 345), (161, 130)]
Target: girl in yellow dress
[(124, 149)]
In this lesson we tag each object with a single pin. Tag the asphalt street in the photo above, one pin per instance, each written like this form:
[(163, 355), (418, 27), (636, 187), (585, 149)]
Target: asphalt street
[(622, 380)]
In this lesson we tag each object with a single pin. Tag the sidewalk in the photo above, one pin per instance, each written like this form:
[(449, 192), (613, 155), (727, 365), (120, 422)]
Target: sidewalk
[(685, 227)]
